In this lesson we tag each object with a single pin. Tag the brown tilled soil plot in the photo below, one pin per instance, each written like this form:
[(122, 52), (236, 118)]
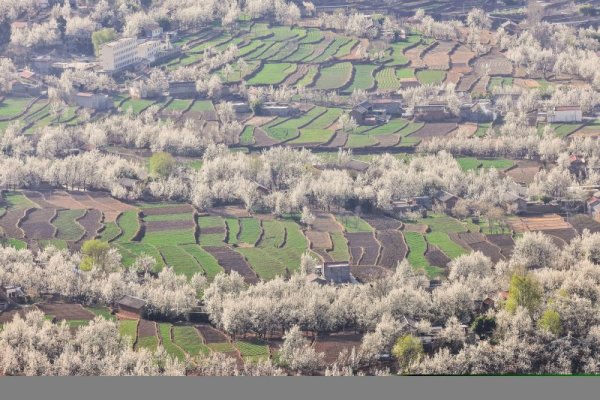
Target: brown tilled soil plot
[(453, 77), (498, 64), (365, 273), (414, 55), (365, 241), (38, 198), (211, 335), (66, 311), (146, 328), (296, 76), (388, 140), (566, 234), (178, 209), (7, 316), (435, 129), (467, 82), (230, 212), (438, 58), (157, 226), (232, 261), (542, 223), (504, 242), (261, 139), (468, 128), (489, 250), (393, 248), (524, 171), (418, 228), (436, 257), (36, 224), (481, 85), (333, 344), (582, 222), (319, 240), (382, 223), (9, 221), (339, 140), (110, 207), (462, 55), (91, 223), (63, 200)]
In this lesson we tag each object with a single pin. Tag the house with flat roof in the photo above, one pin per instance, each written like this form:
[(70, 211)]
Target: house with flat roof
[(564, 114)]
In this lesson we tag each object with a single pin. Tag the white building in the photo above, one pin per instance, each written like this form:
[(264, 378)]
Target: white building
[(147, 50), (119, 54), (565, 114)]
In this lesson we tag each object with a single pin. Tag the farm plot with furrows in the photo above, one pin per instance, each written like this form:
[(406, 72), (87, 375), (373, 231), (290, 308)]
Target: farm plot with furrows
[(65, 311), (504, 242), (103, 202), (91, 223), (147, 338), (436, 258), (273, 74), (207, 262), (166, 225), (566, 234), (582, 222), (346, 49), (340, 250), (300, 73), (312, 36), (38, 198), (383, 223), (169, 237), (438, 57), (232, 261), (467, 82), (67, 225), (393, 249), (261, 139), (284, 129), (339, 140), (279, 250), (308, 78), (363, 78), (212, 230), (481, 86), (211, 335), (61, 199), (460, 58), (9, 222), (435, 129), (332, 345), (369, 245), (182, 262), (495, 64), (387, 79), (166, 210), (129, 224), (37, 226), (187, 338), (335, 76), (489, 250), (170, 347), (471, 237), (542, 223), (388, 141), (329, 52), (414, 56), (325, 120), (312, 137)]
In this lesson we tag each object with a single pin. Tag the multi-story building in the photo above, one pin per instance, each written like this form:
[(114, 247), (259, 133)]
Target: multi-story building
[(119, 54), (148, 49)]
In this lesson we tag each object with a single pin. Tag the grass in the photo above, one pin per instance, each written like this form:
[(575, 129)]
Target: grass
[(363, 78), (403, 73), (279, 251), (250, 230), (224, 347), (57, 243), (564, 130), (16, 243), (416, 249), (313, 136), (340, 247), (110, 231), (360, 140), (67, 226), (181, 261), (102, 312), (445, 244), (247, 135), (128, 327), (12, 106), (273, 74), (202, 106), (335, 76), (431, 77), (169, 237), (188, 339), (471, 163), (233, 228), (353, 223), (169, 217), (136, 105), (170, 347), (309, 78), (129, 223), (442, 223), (147, 342), (132, 250), (207, 262), (18, 200), (387, 80), (253, 348)]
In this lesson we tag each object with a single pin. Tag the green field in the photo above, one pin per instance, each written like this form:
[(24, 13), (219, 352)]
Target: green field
[(416, 249), (387, 80), (353, 223), (129, 224), (334, 77), (128, 327), (250, 230), (10, 107), (202, 106), (309, 78), (363, 78), (431, 77), (188, 339), (170, 347), (247, 135), (136, 105), (207, 262), (273, 74), (66, 225), (340, 247)]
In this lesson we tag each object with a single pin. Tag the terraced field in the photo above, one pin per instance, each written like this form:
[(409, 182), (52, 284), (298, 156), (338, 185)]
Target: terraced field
[(335, 76)]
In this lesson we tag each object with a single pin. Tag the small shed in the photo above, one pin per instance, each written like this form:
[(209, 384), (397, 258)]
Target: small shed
[(182, 89), (433, 112), (133, 305), (337, 272)]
